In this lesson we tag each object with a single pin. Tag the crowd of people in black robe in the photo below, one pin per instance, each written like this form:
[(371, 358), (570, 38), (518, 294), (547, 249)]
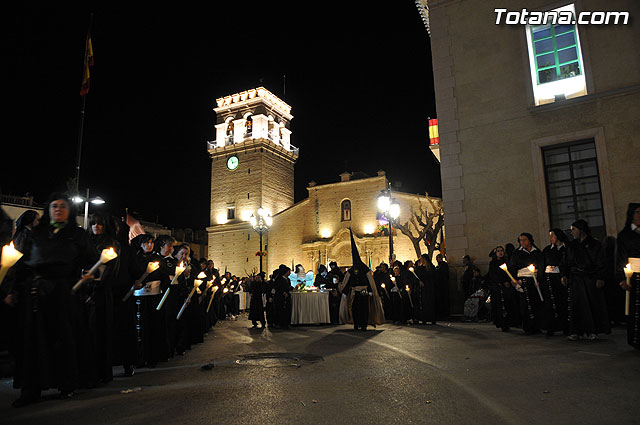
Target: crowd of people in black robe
[(67, 340), (576, 286), (128, 315), (416, 293)]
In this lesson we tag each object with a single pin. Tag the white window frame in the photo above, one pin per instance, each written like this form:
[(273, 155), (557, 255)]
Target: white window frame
[(568, 87)]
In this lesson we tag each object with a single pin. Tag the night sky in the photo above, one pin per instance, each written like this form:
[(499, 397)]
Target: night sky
[(358, 77)]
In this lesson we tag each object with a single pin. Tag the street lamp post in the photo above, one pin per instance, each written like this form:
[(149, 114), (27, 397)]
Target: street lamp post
[(261, 223), (390, 209), (79, 199)]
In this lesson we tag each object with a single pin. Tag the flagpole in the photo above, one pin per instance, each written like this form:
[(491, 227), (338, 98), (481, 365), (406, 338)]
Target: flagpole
[(82, 109)]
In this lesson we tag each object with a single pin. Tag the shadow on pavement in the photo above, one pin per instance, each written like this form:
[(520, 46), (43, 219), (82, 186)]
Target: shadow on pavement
[(340, 340)]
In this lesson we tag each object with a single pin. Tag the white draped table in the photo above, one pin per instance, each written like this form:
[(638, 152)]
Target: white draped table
[(309, 308), (245, 299)]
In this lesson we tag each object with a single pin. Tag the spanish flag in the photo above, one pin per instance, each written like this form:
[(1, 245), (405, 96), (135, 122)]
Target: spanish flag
[(88, 62)]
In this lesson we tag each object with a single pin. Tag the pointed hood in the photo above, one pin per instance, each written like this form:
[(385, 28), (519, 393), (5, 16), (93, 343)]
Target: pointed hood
[(355, 255)]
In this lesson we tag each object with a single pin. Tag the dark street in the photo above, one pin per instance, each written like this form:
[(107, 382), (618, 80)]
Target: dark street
[(448, 373)]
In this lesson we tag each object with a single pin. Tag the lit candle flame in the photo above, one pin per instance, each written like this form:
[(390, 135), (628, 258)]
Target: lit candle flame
[(410, 269), (503, 267), (393, 279), (383, 285), (407, 287), (107, 255), (627, 271), (151, 267), (10, 255), (532, 268), (202, 275), (225, 290), (197, 282)]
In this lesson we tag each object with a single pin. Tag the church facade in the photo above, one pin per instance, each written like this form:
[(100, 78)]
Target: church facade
[(252, 162)]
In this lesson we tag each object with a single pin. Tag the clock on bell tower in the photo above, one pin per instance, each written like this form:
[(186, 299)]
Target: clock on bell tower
[(252, 162)]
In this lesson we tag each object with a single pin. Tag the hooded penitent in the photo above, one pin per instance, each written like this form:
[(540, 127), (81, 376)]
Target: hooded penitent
[(363, 276)]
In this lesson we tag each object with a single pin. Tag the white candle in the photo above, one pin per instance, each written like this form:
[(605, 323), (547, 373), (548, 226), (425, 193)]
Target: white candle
[(179, 270), (213, 292), (505, 269), (196, 283), (151, 267), (106, 255), (627, 273), (532, 269), (10, 257)]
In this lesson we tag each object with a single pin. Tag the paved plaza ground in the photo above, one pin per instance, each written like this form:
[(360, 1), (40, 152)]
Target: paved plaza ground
[(450, 373)]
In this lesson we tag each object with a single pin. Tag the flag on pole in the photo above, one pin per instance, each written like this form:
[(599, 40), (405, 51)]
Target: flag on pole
[(88, 62)]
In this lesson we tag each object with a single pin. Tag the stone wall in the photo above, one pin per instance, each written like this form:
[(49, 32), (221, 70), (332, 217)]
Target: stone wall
[(491, 134)]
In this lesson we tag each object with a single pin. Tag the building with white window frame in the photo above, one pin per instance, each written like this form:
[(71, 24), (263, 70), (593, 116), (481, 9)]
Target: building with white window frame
[(538, 125)]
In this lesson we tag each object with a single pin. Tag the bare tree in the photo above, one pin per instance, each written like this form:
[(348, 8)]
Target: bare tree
[(424, 226)]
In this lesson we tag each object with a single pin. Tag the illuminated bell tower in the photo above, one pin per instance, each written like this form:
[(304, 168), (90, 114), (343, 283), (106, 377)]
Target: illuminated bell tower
[(252, 163)]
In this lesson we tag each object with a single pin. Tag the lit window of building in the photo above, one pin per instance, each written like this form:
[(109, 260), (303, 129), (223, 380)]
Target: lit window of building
[(555, 59)]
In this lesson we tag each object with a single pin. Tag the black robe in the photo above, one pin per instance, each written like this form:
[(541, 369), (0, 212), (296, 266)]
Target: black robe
[(529, 299), (442, 290), (505, 309), (153, 322), (257, 288), (383, 278), (194, 316), (331, 284), (360, 303), (628, 246), (95, 340), (270, 309), (124, 312), (46, 352), (554, 313), (466, 281), (282, 301), (403, 281), (587, 310), (425, 309)]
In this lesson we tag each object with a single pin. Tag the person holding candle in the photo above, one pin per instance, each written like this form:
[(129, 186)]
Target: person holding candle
[(504, 300), (22, 240), (95, 304), (425, 273), (585, 276), (396, 297), (413, 291), (154, 324), (178, 293), (628, 253), (164, 247), (383, 281), (212, 273), (554, 310), (195, 313), (125, 271), (530, 303), (46, 355), (142, 246)]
